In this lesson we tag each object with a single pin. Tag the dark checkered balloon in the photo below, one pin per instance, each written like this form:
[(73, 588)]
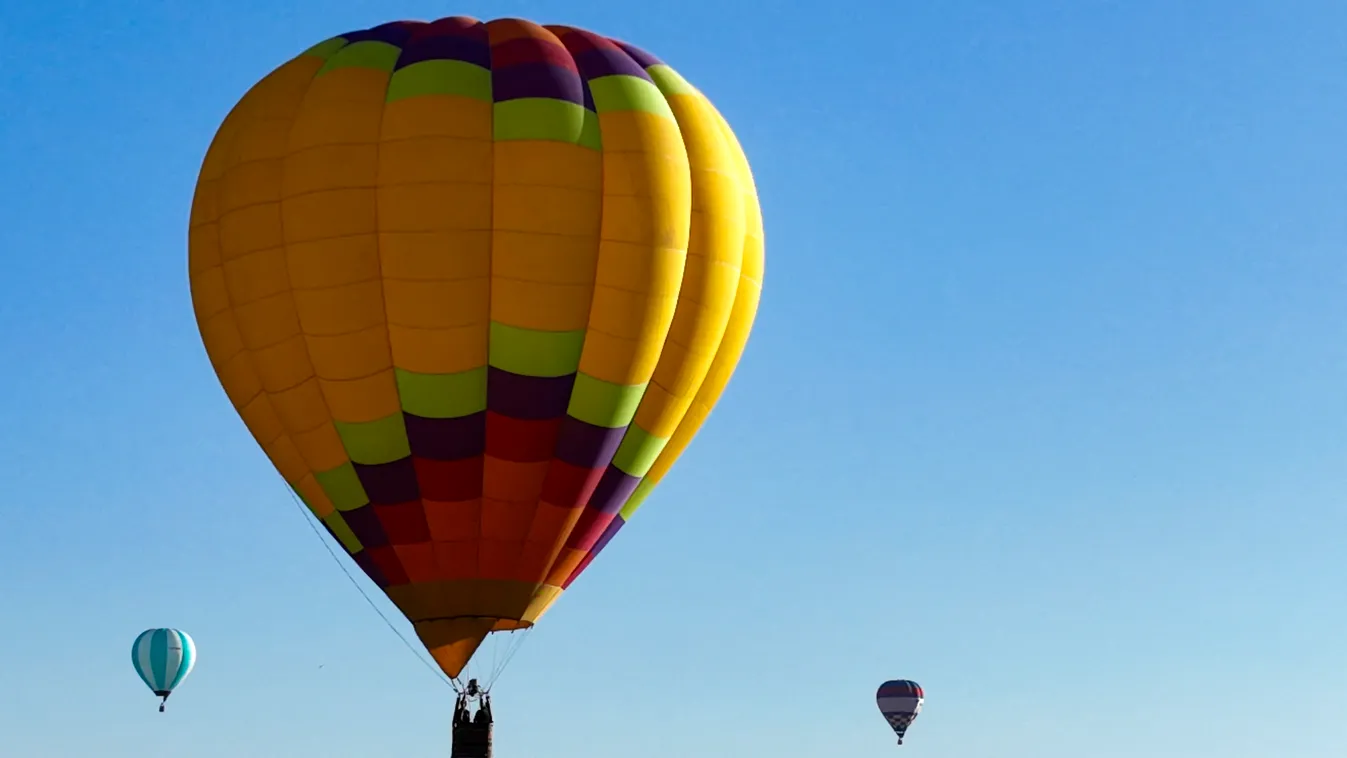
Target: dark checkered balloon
[(900, 701)]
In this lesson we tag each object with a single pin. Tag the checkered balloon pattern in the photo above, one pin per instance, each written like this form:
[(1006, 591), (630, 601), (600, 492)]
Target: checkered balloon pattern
[(900, 701)]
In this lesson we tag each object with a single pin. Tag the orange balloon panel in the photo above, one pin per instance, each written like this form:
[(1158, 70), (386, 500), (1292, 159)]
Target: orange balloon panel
[(473, 287)]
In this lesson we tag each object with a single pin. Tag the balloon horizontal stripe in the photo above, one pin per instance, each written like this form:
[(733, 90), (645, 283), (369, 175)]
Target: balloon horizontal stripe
[(541, 118), (459, 48), (609, 532), (585, 445), (373, 442), (437, 400), (602, 403), (568, 486), (527, 397), (439, 76), (511, 53), (537, 80), (389, 483), (341, 531), (534, 352), (446, 439), (638, 452), (639, 495), (393, 33), (325, 49), (613, 489), (450, 481), (342, 487), (898, 703), (902, 688), (642, 58), (521, 440)]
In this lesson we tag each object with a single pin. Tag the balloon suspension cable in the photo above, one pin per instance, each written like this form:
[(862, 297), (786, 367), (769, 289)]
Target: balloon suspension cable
[(308, 517), (499, 661), (517, 641)]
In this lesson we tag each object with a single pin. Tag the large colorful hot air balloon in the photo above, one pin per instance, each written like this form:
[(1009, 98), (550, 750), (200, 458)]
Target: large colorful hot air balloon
[(474, 287), (900, 701), (163, 658)]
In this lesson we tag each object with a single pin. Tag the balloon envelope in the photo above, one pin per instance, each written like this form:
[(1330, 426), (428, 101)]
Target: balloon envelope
[(473, 287), (163, 658), (900, 701)]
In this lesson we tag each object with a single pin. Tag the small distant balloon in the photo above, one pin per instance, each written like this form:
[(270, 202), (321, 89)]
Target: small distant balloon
[(900, 701), (163, 658)]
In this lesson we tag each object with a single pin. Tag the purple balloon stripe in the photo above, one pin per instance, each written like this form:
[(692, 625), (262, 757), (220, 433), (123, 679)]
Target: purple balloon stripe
[(902, 688), (372, 570), (611, 531), (614, 527), (586, 445), (900, 684), (389, 483), (536, 80), (446, 439), (608, 62), (452, 26), (446, 48), (611, 493), (646, 60), (527, 397), (366, 526), (395, 33), (613, 490)]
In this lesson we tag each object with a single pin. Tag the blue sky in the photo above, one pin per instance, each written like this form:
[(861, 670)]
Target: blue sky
[(1043, 407)]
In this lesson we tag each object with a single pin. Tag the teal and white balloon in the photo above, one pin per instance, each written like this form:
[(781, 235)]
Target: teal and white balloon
[(163, 658)]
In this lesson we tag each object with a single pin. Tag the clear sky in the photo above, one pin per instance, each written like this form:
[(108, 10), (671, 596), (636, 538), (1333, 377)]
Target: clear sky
[(1044, 405)]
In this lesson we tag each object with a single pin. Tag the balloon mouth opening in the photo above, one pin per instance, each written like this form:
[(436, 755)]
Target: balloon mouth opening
[(452, 641)]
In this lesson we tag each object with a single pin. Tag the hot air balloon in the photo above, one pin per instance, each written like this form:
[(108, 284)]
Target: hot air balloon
[(163, 658), (473, 287), (900, 701)]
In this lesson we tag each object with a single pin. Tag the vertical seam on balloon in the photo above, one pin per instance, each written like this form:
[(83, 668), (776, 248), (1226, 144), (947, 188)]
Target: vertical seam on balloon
[(490, 279), (383, 298), (558, 541), (185, 660), (170, 663), (729, 314), (610, 465), (743, 176), (159, 663), (559, 544), (721, 339), (229, 298), (177, 663), (294, 302), (227, 150), (140, 655), (692, 176)]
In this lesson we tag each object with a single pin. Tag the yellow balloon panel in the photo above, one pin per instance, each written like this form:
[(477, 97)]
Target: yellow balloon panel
[(473, 286)]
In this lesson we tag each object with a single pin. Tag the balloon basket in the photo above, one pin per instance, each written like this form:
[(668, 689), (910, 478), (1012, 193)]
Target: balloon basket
[(472, 741)]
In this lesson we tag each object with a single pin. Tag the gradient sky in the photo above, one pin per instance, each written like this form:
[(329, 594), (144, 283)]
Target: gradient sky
[(1043, 409)]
